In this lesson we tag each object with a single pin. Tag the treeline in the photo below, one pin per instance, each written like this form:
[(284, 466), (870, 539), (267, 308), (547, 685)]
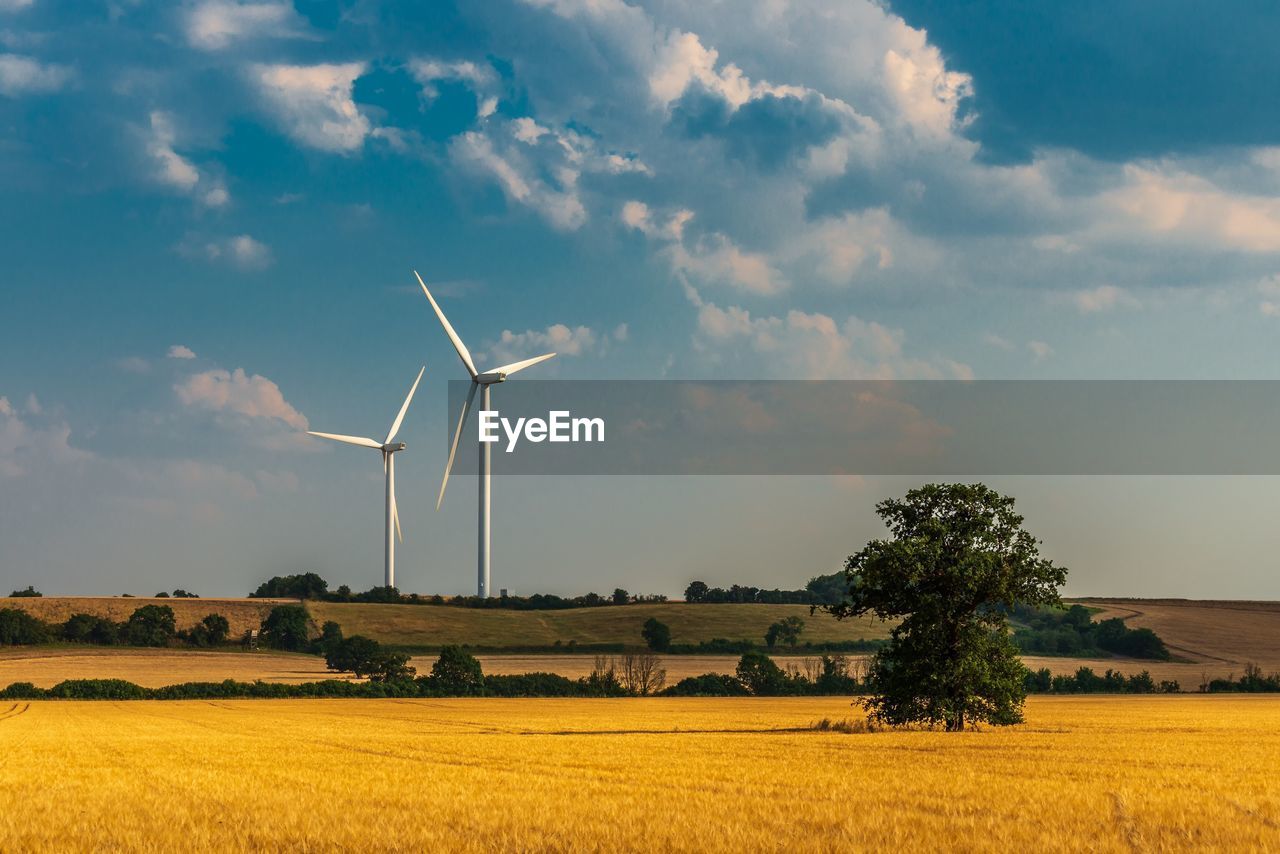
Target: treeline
[(1252, 682), (311, 586), (1086, 681), (150, 625), (1072, 631), (821, 590)]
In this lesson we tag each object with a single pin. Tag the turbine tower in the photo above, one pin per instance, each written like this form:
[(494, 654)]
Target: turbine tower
[(389, 449), (480, 381)]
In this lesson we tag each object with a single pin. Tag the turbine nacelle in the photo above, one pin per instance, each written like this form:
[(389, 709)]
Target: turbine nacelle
[(491, 377), (392, 447)]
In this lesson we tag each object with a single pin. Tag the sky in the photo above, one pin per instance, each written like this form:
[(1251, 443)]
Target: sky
[(210, 213)]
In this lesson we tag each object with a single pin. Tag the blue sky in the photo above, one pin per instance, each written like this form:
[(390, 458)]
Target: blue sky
[(211, 211)]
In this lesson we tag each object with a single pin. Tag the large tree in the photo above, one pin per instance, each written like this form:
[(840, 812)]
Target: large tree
[(958, 561)]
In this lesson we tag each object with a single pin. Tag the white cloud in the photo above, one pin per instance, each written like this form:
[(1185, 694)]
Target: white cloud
[(556, 198), (22, 75), (134, 365), (33, 442), (710, 258), (314, 104), (557, 338), (1039, 350), (998, 342), (480, 78), (216, 24), (240, 251), (180, 351), (1167, 203), (174, 170), (235, 392), (1101, 298), (804, 345), (15, 5)]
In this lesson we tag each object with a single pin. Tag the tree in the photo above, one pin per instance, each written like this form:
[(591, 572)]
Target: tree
[(286, 627), (88, 628), (642, 674), (656, 634), (184, 594), (151, 625), (786, 630), (330, 637), (29, 593), (958, 562), (352, 654), (218, 628), (305, 586), (457, 673), (620, 596), (18, 628), (761, 675), (696, 591)]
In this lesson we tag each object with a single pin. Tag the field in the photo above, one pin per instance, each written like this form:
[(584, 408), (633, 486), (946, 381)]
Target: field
[(242, 614), (1108, 774), (1206, 632), (432, 626)]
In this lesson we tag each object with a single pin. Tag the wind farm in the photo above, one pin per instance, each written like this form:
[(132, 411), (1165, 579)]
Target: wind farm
[(869, 406)]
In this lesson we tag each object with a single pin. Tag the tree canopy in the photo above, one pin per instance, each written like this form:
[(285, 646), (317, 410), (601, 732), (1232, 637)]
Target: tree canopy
[(957, 562)]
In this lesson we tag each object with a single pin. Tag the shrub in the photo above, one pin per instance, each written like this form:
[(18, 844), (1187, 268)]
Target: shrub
[(29, 593), (23, 691), (530, 685), (18, 628), (457, 673), (88, 628), (656, 634), (305, 586), (708, 685), (151, 625), (97, 689), (286, 627), (760, 675)]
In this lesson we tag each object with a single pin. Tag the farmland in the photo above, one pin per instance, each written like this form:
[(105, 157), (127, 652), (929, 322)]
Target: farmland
[(1111, 774)]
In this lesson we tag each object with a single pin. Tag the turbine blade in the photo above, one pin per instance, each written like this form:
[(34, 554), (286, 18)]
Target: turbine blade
[(395, 426), (395, 514), (520, 366), (350, 440), (463, 353), (457, 434)]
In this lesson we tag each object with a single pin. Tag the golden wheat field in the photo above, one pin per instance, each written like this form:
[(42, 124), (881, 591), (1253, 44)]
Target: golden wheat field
[(1110, 774)]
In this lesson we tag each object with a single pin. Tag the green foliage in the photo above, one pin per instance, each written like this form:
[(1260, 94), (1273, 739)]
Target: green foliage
[(531, 685), (1085, 681), (88, 628), (457, 673), (760, 675), (366, 657), (620, 596), (18, 628), (211, 631), (22, 691), (959, 560), (1054, 631), (828, 589), (305, 586), (708, 685), (786, 630), (97, 689), (330, 637), (1252, 682), (696, 591), (184, 594), (656, 634), (151, 625), (287, 628), (29, 593)]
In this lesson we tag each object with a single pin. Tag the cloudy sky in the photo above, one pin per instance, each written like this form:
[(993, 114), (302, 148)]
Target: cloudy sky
[(211, 211)]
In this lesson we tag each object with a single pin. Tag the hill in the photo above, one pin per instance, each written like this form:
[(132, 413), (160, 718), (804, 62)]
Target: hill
[(435, 625), (1203, 631), (242, 614)]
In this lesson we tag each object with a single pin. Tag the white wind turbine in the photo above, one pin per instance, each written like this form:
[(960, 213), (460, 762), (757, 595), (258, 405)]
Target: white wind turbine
[(478, 381), (389, 449)]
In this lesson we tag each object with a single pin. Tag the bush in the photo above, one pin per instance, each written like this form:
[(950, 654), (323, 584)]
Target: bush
[(761, 676), (305, 586), (530, 685), (708, 685), (22, 691), (87, 628), (18, 628), (211, 631), (456, 673), (656, 634), (98, 689), (151, 625), (287, 628), (29, 593)]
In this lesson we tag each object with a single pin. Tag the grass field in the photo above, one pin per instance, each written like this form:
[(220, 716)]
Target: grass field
[(432, 626), (1106, 774), (1200, 631), (242, 614)]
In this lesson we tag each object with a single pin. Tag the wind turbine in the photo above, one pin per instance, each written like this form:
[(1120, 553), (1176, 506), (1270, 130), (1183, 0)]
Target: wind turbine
[(389, 449), (480, 381)]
